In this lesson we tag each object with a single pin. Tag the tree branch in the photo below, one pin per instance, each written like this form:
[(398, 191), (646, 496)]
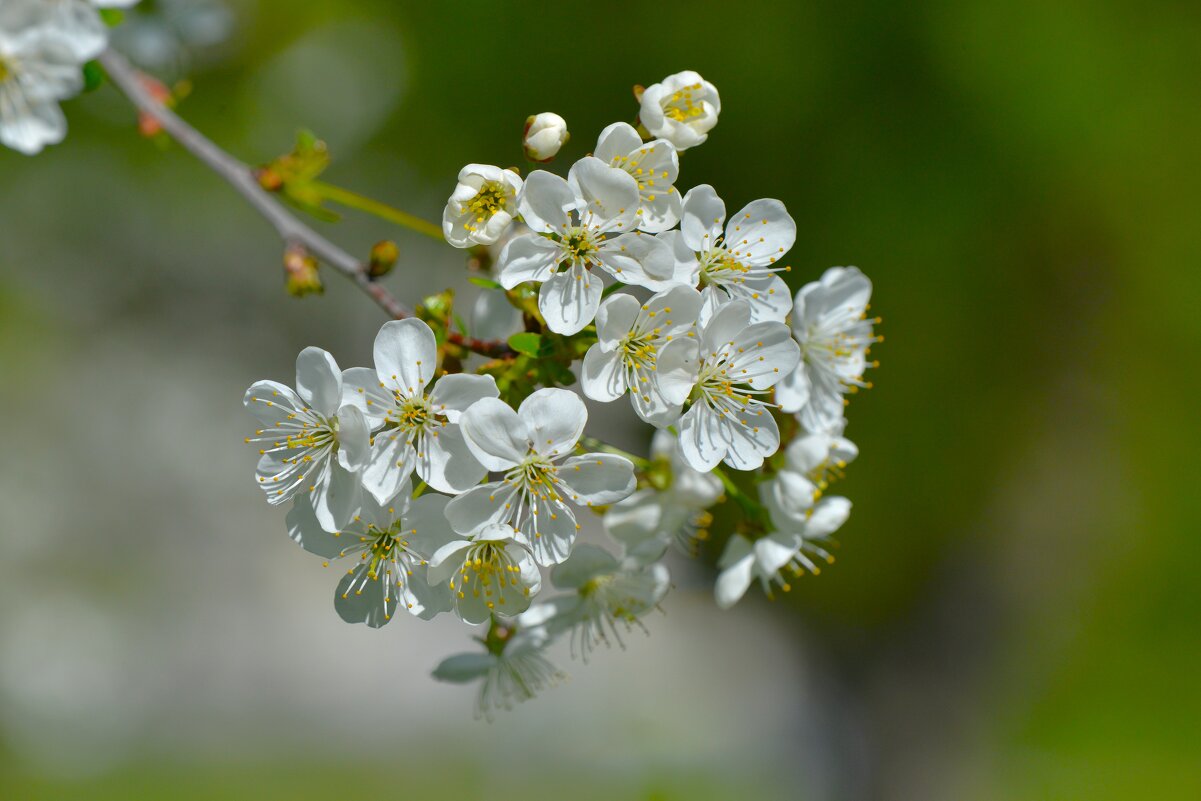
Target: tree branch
[(291, 230)]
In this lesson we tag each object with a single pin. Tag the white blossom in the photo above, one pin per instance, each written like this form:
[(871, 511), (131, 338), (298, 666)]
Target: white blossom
[(630, 336), (725, 377), (654, 165), (391, 545), (544, 134), (482, 206), (830, 322), (579, 225), (542, 481), (802, 534), (309, 441), (488, 572), (682, 109), (516, 673), (610, 595), (739, 262), (651, 519), (419, 423), (41, 63)]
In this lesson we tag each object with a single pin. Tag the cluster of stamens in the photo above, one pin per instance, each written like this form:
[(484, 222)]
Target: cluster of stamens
[(488, 571), (487, 201), (681, 107), (309, 434)]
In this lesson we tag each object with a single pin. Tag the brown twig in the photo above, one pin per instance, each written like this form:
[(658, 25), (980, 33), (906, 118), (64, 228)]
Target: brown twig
[(291, 230)]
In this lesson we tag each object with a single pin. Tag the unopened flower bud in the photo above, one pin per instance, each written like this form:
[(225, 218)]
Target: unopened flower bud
[(544, 134), (300, 273), (383, 258)]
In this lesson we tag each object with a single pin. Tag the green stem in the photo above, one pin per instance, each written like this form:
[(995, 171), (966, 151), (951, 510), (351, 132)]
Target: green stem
[(353, 200), (595, 444), (732, 490)]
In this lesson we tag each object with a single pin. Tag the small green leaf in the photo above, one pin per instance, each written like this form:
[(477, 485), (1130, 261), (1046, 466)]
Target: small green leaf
[(93, 76), (486, 283), (526, 343)]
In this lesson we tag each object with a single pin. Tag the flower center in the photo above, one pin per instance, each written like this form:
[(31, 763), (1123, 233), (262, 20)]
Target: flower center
[(5, 70), (535, 475), (681, 107), (718, 266), (488, 570), (580, 246), (638, 350), (413, 414), (383, 549), (488, 201)]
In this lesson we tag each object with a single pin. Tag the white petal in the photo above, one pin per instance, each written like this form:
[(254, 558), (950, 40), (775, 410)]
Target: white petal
[(495, 433), (423, 599), (775, 550), (550, 532), (555, 419), (585, 563), (361, 389), (526, 258), (828, 516), (454, 394), (354, 438), (319, 380), (634, 519), (676, 369), (271, 402), (737, 562), (569, 300), (406, 355), (608, 196), (462, 668), (306, 532), (391, 463), (792, 392), (768, 296), (603, 375), (480, 506), (336, 497), (617, 141), (545, 201), (702, 215), (597, 478), (703, 442), (362, 599), (761, 233), (449, 466), (493, 317), (639, 260), (614, 319), (765, 354), (426, 528), (725, 326), (753, 438), (446, 560)]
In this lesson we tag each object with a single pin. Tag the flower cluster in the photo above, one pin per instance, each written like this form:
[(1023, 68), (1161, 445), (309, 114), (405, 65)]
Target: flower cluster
[(44, 45), (448, 490)]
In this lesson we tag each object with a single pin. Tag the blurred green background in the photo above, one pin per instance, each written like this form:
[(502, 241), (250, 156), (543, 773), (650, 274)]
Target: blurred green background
[(1014, 611)]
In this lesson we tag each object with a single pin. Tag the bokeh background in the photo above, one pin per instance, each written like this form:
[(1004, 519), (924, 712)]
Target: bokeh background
[(1014, 613)]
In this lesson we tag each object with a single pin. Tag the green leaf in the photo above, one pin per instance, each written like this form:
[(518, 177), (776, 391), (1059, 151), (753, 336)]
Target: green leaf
[(486, 283), (93, 76), (526, 343)]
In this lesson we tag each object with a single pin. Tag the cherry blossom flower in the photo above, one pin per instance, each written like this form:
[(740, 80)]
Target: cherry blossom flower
[(391, 546), (682, 109), (654, 165), (630, 336), (651, 519), (830, 322), (488, 573), (542, 480), (419, 424), (724, 377), (739, 262), (482, 206), (309, 441), (515, 673), (40, 65), (579, 225), (544, 134)]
